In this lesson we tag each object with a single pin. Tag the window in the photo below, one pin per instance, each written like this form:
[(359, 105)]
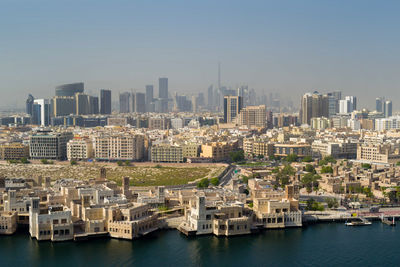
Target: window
[(63, 220), (56, 232), (55, 221), (66, 231)]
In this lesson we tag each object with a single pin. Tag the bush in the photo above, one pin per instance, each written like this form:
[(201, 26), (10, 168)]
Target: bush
[(204, 183), (291, 158), (45, 161), (245, 179), (119, 163), (332, 202), (326, 169), (310, 168), (330, 159), (73, 162), (314, 205), (25, 161), (398, 163), (127, 163), (307, 159), (366, 166), (158, 166), (251, 205), (237, 156), (214, 181)]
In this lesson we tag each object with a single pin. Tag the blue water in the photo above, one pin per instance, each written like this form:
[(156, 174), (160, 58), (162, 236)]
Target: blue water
[(316, 245)]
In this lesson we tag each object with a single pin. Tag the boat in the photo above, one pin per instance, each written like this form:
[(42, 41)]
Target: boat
[(358, 222), (386, 220)]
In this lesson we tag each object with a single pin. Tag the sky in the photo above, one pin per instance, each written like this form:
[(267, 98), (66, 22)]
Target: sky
[(290, 47)]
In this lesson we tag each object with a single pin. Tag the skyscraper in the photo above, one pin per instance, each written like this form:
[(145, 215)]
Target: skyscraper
[(140, 104), (388, 108), (82, 104), (69, 89), (149, 95), (163, 88), (353, 101), (94, 104), (29, 104), (210, 98), (232, 107), (42, 112), (124, 102), (63, 105), (105, 101), (313, 105)]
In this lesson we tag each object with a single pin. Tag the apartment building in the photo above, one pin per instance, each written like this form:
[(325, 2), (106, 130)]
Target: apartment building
[(119, 147), (257, 147), (166, 153), (340, 150), (49, 145), (371, 153), (80, 149), (218, 151), (300, 149), (14, 151), (253, 117), (159, 123)]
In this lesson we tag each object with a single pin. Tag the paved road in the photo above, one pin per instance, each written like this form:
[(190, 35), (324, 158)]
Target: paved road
[(228, 176)]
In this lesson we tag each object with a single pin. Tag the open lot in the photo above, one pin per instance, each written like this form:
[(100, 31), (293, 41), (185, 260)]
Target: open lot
[(142, 174)]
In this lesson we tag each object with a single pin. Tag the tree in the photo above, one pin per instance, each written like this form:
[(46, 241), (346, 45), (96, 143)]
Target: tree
[(283, 175), (73, 162), (307, 159), (310, 168), (322, 162), (203, 183), (237, 156), (366, 166), (245, 179), (332, 202), (214, 181), (272, 157), (127, 163), (119, 163), (398, 163), (25, 161), (311, 204), (330, 159), (367, 191), (260, 156), (291, 158), (310, 180), (326, 169)]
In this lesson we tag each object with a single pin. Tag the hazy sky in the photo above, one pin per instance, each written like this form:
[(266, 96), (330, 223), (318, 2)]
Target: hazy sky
[(289, 47)]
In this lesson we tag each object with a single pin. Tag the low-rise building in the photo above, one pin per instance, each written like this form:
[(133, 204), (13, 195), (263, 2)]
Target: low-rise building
[(8, 222), (79, 149), (14, 151)]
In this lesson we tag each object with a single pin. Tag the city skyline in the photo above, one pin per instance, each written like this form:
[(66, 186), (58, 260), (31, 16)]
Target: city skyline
[(289, 47)]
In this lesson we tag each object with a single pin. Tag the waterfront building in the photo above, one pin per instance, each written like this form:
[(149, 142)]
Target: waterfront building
[(49, 145), (8, 222), (55, 225), (220, 220), (132, 221)]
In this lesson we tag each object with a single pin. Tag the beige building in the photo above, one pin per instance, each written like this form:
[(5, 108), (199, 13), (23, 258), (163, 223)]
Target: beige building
[(14, 151), (377, 154), (119, 147), (132, 221), (166, 153), (190, 150), (253, 148), (218, 150), (159, 123), (8, 222), (79, 149), (300, 149), (253, 117)]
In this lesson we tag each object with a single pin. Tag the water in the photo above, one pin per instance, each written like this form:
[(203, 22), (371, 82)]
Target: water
[(317, 245)]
